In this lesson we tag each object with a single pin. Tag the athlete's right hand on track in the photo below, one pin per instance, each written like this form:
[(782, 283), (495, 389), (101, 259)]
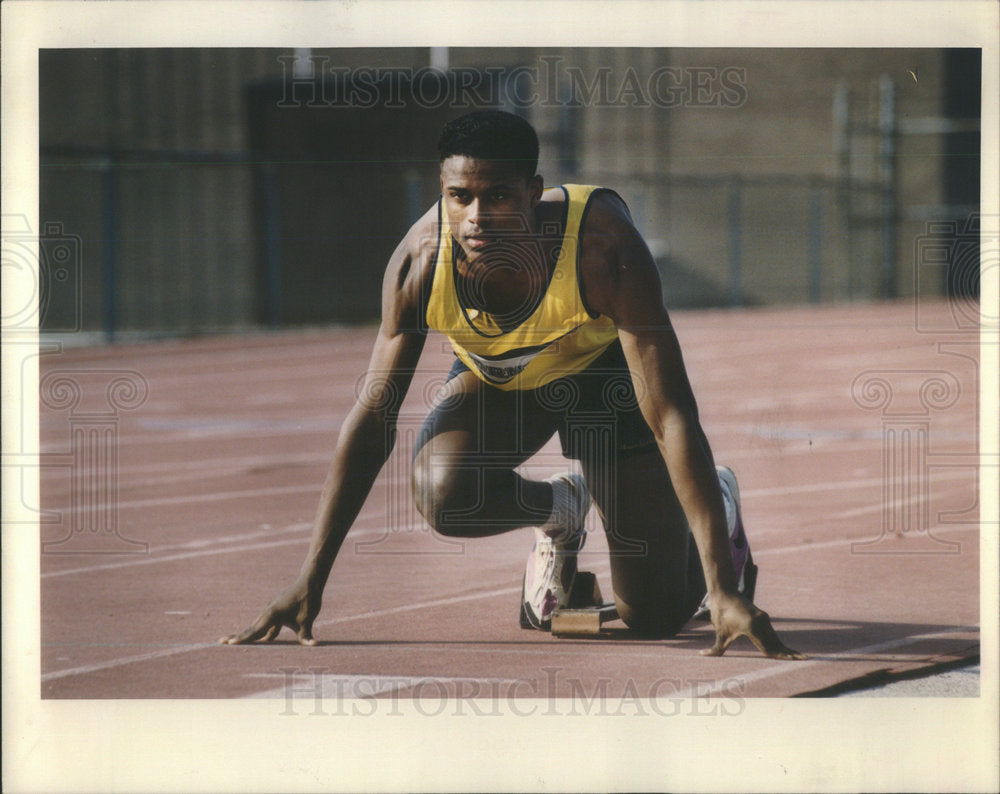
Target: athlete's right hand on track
[(734, 616), (295, 608)]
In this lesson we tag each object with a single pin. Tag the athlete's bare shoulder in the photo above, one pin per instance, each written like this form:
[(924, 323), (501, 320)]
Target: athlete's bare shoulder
[(611, 251), (414, 256), (409, 274), (607, 217)]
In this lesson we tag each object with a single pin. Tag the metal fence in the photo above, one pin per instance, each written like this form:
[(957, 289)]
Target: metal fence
[(195, 242), (182, 242), (166, 239), (198, 242), (738, 240)]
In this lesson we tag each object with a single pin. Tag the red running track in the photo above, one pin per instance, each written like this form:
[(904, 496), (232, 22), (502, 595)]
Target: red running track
[(853, 431)]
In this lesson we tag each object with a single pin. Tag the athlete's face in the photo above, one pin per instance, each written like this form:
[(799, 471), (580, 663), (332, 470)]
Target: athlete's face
[(489, 203)]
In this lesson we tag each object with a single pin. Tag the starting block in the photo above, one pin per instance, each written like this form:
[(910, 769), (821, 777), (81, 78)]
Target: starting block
[(586, 611)]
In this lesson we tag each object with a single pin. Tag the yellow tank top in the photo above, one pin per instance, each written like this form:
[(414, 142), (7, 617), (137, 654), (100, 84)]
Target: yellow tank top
[(561, 337)]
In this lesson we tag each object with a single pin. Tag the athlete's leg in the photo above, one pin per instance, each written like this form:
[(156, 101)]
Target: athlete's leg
[(464, 481), (655, 570)]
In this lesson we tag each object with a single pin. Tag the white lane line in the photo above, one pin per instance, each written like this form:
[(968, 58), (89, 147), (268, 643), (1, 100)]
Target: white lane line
[(701, 691), (110, 566), (158, 470), (847, 485), (377, 613), (221, 540), (778, 668), (142, 657), (895, 503), (421, 527), (439, 602), (317, 486), (129, 480), (962, 472), (219, 496), (126, 439), (828, 544), (361, 528)]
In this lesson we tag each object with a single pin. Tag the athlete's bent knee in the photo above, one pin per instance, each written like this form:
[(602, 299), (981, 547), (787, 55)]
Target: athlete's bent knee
[(440, 493)]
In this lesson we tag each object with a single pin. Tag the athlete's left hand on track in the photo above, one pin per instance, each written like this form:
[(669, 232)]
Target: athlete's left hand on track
[(296, 608), (734, 617)]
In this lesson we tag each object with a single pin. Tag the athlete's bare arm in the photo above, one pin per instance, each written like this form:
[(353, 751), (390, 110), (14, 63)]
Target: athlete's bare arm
[(620, 280), (366, 437)]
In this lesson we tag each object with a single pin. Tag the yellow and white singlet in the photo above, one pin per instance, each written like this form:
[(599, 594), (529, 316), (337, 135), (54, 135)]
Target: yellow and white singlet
[(560, 337)]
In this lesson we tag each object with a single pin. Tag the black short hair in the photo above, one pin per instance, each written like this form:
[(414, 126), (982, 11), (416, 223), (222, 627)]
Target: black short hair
[(492, 135)]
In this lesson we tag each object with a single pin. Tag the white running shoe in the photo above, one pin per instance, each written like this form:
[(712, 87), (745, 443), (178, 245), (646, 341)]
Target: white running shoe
[(551, 567), (739, 547)]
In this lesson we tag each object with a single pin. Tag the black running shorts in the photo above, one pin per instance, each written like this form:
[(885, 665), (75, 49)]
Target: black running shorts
[(590, 410)]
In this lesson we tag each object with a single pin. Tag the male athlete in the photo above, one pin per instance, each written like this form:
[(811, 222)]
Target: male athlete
[(553, 306)]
